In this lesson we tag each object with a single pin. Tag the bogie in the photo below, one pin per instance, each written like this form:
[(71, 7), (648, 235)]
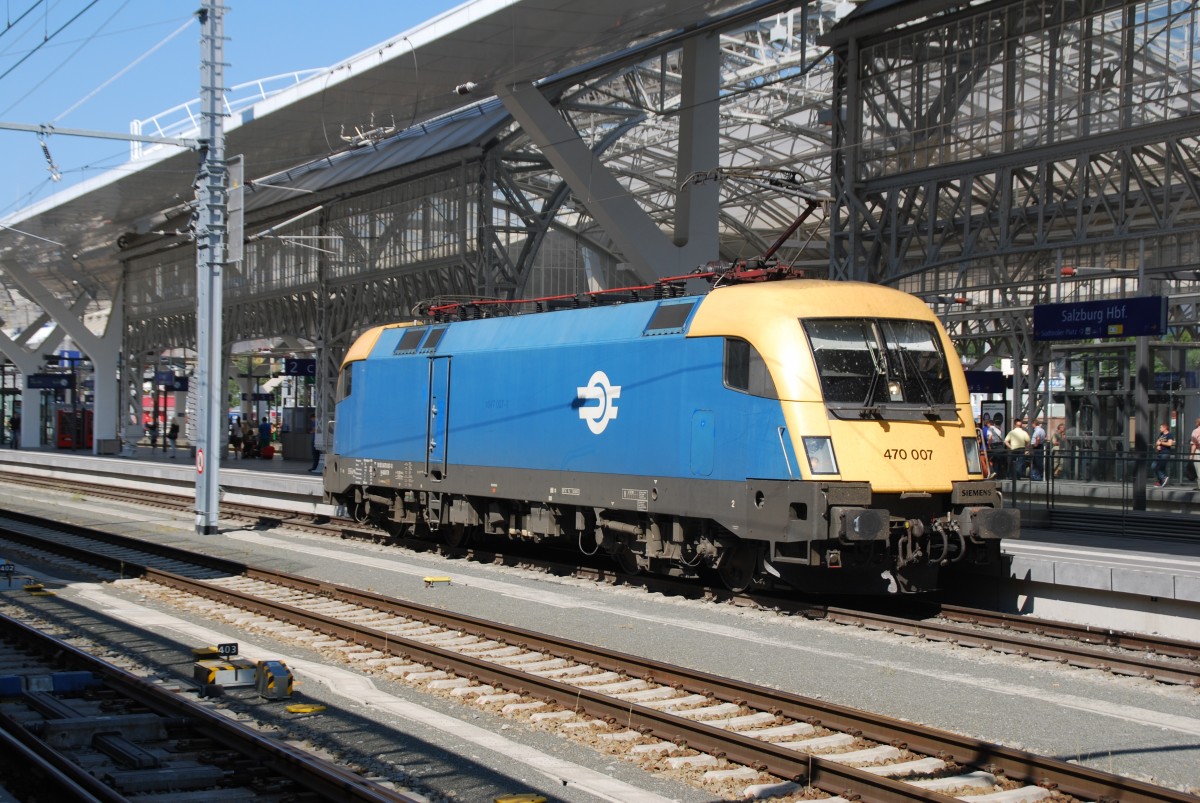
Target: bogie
[(666, 545)]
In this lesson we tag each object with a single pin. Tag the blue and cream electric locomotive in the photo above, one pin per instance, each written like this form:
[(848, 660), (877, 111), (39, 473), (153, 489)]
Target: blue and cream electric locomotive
[(813, 433)]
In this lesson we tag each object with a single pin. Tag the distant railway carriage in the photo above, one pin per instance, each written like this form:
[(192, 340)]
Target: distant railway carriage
[(809, 432)]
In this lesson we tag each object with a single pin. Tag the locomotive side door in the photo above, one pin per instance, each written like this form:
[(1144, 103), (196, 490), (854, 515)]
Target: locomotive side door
[(437, 430)]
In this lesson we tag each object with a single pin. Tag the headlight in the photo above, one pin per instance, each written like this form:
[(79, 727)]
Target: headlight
[(971, 449), (821, 459)]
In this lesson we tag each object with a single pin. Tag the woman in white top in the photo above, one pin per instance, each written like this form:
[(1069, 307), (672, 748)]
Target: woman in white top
[(1196, 453)]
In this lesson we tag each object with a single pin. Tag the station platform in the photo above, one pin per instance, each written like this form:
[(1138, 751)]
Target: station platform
[(1084, 572), (1115, 581), (286, 483)]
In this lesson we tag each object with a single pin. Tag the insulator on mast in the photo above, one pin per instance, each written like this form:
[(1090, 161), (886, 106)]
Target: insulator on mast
[(55, 174)]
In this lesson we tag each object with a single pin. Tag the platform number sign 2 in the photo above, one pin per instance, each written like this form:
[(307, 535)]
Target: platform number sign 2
[(227, 650)]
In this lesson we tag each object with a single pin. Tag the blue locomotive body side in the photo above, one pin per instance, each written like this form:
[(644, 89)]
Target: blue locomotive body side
[(812, 432), (581, 391)]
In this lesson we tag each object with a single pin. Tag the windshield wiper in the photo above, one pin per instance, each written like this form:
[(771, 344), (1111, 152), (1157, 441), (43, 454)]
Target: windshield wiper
[(869, 408), (911, 363)]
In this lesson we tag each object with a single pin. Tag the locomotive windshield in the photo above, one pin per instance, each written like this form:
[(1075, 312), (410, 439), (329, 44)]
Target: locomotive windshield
[(881, 368)]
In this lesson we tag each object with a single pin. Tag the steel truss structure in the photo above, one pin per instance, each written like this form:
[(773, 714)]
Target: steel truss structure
[(493, 219), (987, 150), (968, 156)]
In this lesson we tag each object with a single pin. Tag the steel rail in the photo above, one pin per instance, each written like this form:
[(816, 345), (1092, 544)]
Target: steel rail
[(1019, 623), (169, 500), (57, 776), (996, 639), (1068, 778), (1078, 655), (1089, 634), (764, 756), (323, 778), (779, 761)]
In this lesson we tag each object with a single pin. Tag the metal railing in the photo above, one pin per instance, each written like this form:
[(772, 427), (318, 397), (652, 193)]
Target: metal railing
[(1091, 465), (1117, 492), (184, 119)]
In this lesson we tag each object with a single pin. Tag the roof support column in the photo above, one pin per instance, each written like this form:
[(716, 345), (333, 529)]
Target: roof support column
[(29, 361), (102, 351), (638, 237), (326, 366), (106, 409), (698, 204)]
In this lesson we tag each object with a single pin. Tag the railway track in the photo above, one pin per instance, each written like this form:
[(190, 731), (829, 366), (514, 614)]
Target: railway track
[(1150, 657), (77, 728), (1130, 654), (763, 740)]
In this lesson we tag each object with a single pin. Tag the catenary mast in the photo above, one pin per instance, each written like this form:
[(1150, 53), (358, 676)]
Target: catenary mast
[(211, 236)]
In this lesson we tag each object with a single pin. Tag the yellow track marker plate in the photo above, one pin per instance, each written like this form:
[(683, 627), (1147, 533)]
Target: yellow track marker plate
[(305, 708)]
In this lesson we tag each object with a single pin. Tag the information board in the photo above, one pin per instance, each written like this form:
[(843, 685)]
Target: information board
[(298, 366), (169, 381), (49, 381), (986, 382), (1084, 320)]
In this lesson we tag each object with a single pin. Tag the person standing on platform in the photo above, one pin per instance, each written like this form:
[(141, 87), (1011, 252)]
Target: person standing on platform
[(15, 424), (312, 437), (1017, 441), (249, 441), (1162, 453), (235, 438), (1196, 454), (264, 435), (173, 437), (994, 440), (1037, 442), (1058, 440)]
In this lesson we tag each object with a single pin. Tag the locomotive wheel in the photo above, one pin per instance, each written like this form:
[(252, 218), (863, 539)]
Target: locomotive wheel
[(455, 535), (394, 530), (737, 567), (627, 560)]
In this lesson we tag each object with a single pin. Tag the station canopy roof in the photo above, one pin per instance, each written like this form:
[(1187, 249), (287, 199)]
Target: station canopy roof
[(405, 80), (444, 135)]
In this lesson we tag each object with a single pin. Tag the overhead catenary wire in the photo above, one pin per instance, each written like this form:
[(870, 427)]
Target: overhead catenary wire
[(55, 172), (34, 236), (47, 39), (272, 229), (63, 63), (126, 68), (10, 24)]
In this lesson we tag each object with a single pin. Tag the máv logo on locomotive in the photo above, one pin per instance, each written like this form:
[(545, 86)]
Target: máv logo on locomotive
[(601, 390)]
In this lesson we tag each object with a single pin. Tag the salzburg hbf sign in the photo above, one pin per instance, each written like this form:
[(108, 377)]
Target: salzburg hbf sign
[(1123, 317)]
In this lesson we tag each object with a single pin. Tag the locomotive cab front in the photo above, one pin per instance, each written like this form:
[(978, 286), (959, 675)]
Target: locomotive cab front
[(887, 485)]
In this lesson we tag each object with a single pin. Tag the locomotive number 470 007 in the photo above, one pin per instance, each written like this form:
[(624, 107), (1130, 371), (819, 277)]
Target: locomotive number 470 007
[(908, 454)]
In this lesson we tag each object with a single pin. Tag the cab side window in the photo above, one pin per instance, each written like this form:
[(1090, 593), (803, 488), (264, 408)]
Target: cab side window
[(746, 371), (344, 381)]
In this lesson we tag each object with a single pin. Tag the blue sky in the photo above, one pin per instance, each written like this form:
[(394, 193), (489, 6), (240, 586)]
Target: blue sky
[(103, 63)]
